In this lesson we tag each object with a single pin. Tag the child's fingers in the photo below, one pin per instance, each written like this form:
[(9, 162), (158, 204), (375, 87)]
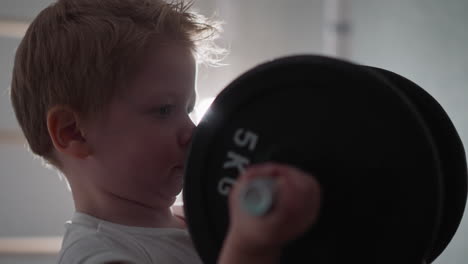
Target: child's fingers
[(296, 200), (298, 195), (294, 186), (301, 196)]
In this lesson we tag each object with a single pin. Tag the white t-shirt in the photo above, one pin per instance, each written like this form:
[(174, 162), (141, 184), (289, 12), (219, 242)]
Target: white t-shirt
[(91, 240)]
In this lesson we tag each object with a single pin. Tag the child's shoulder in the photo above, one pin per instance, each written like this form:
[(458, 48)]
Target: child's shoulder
[(85, 242), (93, 248), (87, 237)]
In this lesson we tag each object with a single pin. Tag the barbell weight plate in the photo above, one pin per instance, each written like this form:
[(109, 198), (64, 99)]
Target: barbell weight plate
[(363, 139), (452, 154)]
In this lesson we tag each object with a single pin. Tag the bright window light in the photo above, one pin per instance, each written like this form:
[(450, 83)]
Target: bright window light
[(201, 108)]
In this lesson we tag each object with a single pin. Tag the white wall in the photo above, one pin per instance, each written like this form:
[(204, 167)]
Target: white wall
[(260, 30)]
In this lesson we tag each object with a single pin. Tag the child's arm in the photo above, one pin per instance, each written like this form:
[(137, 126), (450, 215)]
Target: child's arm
[(260, 239)]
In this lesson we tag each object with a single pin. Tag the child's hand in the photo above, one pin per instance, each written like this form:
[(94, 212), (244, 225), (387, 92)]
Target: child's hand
[(295, 208)]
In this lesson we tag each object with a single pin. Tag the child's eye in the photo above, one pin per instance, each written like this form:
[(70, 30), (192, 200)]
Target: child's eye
[(165, 110)]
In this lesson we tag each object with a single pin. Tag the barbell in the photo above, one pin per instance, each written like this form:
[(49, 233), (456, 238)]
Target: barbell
[(390, 162)]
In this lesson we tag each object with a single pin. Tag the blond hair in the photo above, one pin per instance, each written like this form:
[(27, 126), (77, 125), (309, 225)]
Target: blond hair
[(78, 52)]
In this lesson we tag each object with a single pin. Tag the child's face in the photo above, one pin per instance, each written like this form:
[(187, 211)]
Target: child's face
[(139, 145)]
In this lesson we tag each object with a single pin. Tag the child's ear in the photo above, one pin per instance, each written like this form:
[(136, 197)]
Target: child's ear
[(66, 133)]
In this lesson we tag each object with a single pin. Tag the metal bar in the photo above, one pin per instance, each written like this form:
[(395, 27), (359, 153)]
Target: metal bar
[(13, 29), (11, 137), (30, 245)]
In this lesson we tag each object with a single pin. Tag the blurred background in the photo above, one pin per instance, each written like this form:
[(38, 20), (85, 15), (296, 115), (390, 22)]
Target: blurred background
[(423, 40)]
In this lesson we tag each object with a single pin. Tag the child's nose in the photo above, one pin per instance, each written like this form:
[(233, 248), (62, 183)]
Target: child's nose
[(186, 134)]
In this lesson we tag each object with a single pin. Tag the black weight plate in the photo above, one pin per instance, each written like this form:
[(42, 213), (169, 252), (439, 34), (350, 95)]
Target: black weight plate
[(451, 152), (362, 138)]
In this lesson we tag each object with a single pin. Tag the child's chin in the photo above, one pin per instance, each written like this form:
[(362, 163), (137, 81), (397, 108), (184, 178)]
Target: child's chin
[(178, 180), (175, 188)]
